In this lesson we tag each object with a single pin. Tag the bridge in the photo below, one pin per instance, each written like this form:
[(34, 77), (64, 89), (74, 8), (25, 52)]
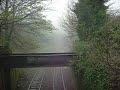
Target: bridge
[(55, 61)]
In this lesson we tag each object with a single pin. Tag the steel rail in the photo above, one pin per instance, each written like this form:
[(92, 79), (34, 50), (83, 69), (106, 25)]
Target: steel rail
[(32, 80), (62, 78), (42, 80)]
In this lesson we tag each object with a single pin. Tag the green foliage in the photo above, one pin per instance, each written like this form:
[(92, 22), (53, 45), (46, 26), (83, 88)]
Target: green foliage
[(98, 47), (89, 70), (108, 40), (91, 16), (98, 67), (15, 73), (95, 78), (21, 23), (18, 74)]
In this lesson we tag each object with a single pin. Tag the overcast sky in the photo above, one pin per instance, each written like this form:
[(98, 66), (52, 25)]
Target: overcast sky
[(115, 4), (59, 9), (58, 42)]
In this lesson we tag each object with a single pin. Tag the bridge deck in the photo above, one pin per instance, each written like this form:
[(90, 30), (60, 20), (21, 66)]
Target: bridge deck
[(37, 60), (53, 78)]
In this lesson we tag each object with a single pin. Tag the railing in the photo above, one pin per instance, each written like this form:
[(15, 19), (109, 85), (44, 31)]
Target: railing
[(31, 60)]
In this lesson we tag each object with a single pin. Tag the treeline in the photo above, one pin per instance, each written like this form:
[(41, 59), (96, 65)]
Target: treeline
[(98, 47), (20, 23)]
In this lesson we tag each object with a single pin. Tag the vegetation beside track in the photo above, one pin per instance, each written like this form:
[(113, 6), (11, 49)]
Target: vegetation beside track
[(98, 47)]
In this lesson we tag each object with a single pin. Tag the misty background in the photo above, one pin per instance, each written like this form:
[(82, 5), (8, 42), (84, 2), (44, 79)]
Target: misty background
[(57, 40)]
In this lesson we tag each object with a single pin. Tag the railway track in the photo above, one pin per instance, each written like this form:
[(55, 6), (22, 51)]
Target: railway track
[(36, 81), (52, 78)]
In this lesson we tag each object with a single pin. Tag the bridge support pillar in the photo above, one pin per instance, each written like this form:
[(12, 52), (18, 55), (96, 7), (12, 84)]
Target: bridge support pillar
[(6, 78)]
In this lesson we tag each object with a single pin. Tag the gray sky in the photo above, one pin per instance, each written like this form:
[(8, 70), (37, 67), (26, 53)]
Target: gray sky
[(115, 4), (58, 42), (58, 10), (60, 6)]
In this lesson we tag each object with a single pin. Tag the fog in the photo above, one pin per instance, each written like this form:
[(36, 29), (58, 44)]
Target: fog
[(54, 41), (57, 42)]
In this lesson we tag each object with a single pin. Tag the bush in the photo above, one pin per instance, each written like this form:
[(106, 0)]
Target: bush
[(99, 58), (92, 73)]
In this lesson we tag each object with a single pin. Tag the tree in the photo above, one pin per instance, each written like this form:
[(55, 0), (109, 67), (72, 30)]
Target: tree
[(69, 22), (91, 66), (19, 17), (91, 16)]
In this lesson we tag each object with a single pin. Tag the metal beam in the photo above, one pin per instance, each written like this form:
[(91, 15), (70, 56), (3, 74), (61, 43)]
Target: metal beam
[(38, 60)]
